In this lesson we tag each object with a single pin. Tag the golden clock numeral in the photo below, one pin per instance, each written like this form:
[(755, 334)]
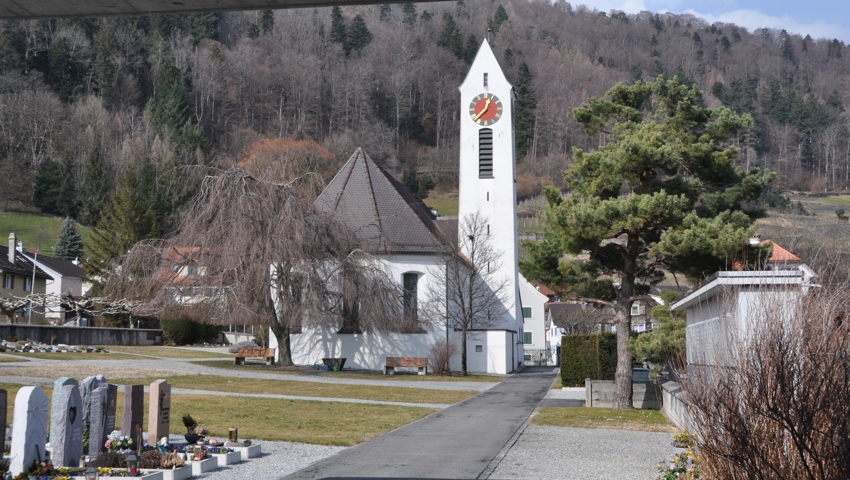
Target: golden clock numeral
[(478, 122)]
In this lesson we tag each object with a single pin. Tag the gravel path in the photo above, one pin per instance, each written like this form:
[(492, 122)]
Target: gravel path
[(279, 458), (588, 454)]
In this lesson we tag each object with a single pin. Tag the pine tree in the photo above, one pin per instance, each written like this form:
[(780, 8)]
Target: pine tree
[(203, 25), (358, 35), (787, 46), (450, 38), (409, 179), (66, 196), (686, 210), (339, 33), (500, 17), (409, 11), (46, 184), (106, 45), (267, 21), (253, 31), (95, 188), (471, 49), (526, 104), (69, 246)]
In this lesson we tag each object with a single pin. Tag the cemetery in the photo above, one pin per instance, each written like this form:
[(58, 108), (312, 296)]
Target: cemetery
[(83, 440)]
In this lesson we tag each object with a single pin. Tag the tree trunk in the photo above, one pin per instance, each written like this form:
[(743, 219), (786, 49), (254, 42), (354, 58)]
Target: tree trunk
[(283, 344), (463, 334), (623, 376)]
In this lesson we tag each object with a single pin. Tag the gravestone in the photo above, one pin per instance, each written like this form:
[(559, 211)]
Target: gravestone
[(3, 399), (86, 388), (134, 413), (54, 404), (159, 415), (111, 402), (66, 436), (30, 429), (97, 420)]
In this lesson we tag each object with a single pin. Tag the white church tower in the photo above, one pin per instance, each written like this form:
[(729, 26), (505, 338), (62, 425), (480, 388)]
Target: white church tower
[(488, 186)]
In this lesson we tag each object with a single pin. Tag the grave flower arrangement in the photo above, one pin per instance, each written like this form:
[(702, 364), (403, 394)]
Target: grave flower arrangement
[(115, 442)]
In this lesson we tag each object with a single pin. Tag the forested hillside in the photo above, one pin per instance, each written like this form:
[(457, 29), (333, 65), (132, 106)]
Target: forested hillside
[(104, 119)]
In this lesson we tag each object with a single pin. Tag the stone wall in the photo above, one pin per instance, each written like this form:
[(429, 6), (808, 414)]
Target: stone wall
[(600, 393), (675, 406), (52, 334)]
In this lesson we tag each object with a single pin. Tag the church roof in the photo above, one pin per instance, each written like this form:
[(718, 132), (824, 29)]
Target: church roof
[(383, 214)]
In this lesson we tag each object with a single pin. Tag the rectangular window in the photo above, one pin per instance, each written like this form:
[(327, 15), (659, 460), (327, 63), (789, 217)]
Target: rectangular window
[(526, 338), (28, 284), (8, 281), (635, 309), (485, 153), (478, 349), (526, 312), (410, 285), (485, 79)]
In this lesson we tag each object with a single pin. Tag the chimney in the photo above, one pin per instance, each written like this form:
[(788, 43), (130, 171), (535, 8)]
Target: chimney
[(755, 239), (12, 242)]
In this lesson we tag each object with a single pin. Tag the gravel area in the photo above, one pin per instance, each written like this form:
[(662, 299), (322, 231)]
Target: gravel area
[(278, 459), (589, 454)]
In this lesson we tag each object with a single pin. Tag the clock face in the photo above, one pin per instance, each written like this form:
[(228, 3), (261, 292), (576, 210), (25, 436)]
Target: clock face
[(485, 109)]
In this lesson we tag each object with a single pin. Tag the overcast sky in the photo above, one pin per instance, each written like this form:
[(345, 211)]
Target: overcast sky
[(818, 18)]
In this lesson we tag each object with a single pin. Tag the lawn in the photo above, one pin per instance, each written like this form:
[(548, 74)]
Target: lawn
[(8, 359), (165, 352), (643, 420), (360, 374), (321, 423), (35, 230), (444, 203), (305, 389), (75, 355)]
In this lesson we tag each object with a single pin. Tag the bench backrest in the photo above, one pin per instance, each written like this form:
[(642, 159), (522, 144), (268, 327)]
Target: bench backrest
[(417, 362), (255, 352)]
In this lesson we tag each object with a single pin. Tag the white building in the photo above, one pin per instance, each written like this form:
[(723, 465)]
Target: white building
[(65, 279), (535, 329), (399, 230)]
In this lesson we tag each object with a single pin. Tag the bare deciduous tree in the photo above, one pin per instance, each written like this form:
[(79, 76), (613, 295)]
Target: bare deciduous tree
[(253, 249), (467, 294)]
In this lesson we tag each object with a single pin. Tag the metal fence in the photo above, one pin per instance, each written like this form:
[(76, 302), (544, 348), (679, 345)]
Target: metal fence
[(536, 357)]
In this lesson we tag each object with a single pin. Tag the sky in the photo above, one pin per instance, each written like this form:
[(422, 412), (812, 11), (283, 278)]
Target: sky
[(818, 18)]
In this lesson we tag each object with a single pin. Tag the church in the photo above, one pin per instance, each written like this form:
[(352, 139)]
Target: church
[(401, 231)]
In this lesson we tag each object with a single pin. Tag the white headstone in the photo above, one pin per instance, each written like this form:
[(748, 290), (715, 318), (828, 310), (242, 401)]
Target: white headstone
[(29, 432)]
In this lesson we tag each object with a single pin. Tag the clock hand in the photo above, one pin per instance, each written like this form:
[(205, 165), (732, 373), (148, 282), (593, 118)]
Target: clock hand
[(486, 107)]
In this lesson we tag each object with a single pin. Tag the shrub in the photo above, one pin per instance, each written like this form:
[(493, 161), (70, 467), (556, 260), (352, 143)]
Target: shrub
[(183, 330), (150, 459), (440, 357), (111, 460), (777, 406), (588, 356)]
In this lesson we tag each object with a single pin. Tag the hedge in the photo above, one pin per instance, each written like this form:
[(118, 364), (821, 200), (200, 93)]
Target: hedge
[(183, 331), (588, 356)]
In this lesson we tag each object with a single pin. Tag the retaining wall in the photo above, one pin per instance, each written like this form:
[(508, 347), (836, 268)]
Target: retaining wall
[(54, 334), (675, 406), (600, 393)]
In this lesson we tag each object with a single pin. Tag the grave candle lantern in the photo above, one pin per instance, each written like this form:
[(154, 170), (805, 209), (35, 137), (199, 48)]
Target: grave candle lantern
[(91, 473), (132, 462)]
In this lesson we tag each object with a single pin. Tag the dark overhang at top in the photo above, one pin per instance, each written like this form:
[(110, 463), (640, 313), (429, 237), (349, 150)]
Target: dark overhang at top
[(45, 9)]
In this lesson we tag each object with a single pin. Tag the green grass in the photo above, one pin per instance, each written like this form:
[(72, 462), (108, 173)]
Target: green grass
[(5, 359), (321, 423), (557, 383), (838, 201), (363, 375), (644, 420), (76, 356), (444, 203), (36, 231), (165, 352), (306, 389)]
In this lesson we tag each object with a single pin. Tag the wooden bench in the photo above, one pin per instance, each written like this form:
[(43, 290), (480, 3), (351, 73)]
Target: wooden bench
[(266, 354), (411, 362)]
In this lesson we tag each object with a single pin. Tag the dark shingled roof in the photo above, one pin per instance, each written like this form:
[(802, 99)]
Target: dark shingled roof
[(383, 214), (22, 266), (63, 267)]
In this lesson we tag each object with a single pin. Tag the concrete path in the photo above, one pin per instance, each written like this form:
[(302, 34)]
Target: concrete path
[(464, 441)]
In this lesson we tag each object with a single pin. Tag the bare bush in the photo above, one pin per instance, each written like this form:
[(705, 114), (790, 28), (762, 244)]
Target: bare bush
[(778, 407), (440, 357)]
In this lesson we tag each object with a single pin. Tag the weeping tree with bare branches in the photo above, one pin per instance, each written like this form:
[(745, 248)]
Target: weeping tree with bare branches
[(253, 249)]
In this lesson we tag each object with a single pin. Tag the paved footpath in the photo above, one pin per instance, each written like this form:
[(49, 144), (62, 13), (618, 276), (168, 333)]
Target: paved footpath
[(464, 441)]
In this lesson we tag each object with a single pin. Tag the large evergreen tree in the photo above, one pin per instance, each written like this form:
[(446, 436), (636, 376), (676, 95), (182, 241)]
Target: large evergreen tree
[(526, 104), (500, 17), (106, 45), (662, 194), (69, 246), (339, 32), (46, 183), (95, 188), (450, 37), (358, 35)]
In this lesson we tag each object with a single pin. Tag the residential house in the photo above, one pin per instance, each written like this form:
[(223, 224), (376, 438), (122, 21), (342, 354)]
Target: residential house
[(535, 331), (65, 279), (20, 278)]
